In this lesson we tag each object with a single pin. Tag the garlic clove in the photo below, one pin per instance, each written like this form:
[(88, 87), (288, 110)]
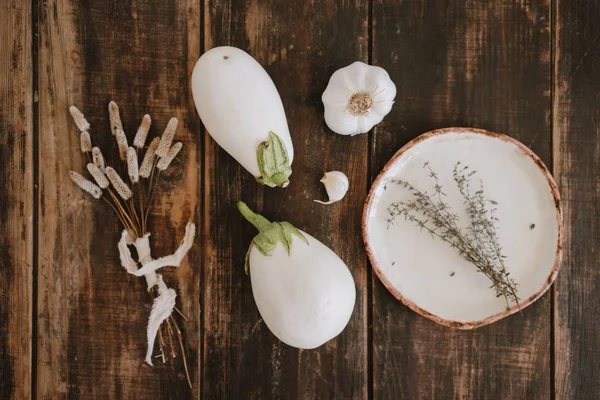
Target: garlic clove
[(336, 185)]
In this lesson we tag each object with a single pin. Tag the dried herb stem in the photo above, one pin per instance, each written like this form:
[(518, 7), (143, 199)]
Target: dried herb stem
[(170, 335), (478, 243), (161, 342), (183, 356), (180, 313)]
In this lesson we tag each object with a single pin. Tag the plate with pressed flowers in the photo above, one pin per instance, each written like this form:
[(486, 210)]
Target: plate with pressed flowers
[(464, 226)]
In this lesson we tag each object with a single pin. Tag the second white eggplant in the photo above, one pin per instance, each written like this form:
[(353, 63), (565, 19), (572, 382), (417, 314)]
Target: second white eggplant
[(242, 111), (303, 290)]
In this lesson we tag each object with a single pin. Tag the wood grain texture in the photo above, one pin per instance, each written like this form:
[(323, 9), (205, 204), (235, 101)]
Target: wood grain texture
[(462, 63), (577, 167), (92, 315), (300, 44), (455, 63), (16, 200)]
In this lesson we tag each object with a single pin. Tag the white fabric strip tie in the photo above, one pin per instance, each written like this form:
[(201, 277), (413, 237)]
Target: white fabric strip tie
[(165, 302), (161, 310), (174, 259), (124, 254), (142, 246)]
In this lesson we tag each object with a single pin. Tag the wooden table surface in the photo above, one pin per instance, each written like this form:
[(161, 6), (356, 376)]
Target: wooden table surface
[(72, 323)]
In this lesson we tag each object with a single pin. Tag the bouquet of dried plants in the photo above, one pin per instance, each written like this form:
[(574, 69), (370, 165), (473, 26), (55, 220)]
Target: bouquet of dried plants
[(477, 243), (131, 199)]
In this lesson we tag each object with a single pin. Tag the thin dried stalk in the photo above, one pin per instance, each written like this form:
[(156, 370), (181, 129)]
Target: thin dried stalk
[(132, 165), (98, 159), (181, 313), (115, 118), (128, 223), (79, 119), (170, 334), (85, 141), (161, 343), (131, 207), (142, 133), (185, 366), (121, 187), (165, 161), (86, 184), (151, 190), (98, 176), (122, 143), (149, 157), (116, 210), (167, 138)]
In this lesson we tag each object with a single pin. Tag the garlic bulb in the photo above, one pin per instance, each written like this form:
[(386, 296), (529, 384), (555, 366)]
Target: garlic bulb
[(357, 98), (336, 185)]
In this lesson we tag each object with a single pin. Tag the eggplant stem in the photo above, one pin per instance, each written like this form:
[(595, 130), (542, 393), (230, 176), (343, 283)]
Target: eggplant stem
[(259, 222)]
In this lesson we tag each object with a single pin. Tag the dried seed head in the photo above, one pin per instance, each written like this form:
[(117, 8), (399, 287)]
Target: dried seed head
[(142, 133), (79, 119), (167, 138), (98, 175), (122, 143), (85, 141), (120, 186), (115, 118), (164, 162), (85, 184), (132, 165), (149, 157), (98, 159)]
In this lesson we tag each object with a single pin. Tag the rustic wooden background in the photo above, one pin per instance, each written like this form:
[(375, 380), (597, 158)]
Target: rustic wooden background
[(71, 321)]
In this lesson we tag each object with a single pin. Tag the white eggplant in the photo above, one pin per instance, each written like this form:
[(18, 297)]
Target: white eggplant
[(303, 290), (242, 111)]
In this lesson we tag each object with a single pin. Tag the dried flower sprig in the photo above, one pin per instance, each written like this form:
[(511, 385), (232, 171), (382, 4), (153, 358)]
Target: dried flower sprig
[(79, 119), (115, 118), (165, 161), (85, 141), (122, 143), (120, 186), (98, 159), (85, 184), (167, 138), (142, 133), (132, 165), (98, 176), (478, 243), (133, 216), (148, 162)]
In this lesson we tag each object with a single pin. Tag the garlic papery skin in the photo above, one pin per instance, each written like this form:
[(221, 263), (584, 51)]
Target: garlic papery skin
[(336, 185), (357, 98)]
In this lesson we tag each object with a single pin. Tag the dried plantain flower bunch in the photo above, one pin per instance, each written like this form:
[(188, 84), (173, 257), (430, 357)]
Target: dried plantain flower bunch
[(131, 199), (477, 243)]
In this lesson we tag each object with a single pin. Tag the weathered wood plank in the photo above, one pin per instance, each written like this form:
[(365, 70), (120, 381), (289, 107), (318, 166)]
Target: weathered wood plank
[(577, 165), (300, 44), (462, 63), (92, 316), (16, 199)]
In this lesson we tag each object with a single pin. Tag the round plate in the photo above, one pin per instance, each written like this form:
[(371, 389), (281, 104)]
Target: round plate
[(428, 275)]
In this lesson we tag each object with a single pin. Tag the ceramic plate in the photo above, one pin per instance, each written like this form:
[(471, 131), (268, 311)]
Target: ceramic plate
[(427, 274)]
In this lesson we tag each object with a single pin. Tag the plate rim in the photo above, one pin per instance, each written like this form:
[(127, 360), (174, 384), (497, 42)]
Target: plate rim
[(559, 218)]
